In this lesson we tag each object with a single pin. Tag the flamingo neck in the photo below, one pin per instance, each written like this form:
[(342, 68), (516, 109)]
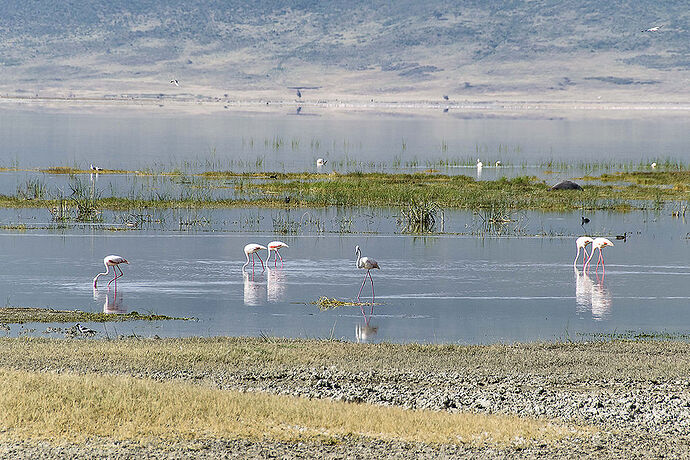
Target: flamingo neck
[(247, 262), (359, 256), (95, 280)]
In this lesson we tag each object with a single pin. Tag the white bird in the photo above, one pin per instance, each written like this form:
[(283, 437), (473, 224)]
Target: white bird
[(598, 243), (274, 246), (654, 165), (111, 261), (653, 29), (253, 249), (368, 264), (95, 168), (582, 243), (498, 163), (321, 162), (175, 82), (479, 164)]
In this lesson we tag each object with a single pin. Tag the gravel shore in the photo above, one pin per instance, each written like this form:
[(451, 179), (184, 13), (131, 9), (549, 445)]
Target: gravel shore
[(636, 395)]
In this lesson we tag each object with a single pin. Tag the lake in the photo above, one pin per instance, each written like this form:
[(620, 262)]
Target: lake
[(461, 285)]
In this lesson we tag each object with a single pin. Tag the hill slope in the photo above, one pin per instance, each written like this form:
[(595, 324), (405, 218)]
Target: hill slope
[(561, 49)]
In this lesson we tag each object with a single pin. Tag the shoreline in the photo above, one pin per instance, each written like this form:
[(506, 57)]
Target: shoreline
[(634, 395), (333, 106)]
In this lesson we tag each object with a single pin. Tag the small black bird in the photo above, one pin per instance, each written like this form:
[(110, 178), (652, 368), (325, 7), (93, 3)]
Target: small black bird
[(299, 93), (585, 220), (287, 200), (445, 96)]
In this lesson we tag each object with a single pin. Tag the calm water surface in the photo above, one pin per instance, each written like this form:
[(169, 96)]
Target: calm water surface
[(432, 289), (360, 141)]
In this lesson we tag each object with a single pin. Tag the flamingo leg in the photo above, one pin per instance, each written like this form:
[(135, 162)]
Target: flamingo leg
[(360, 289), (372, 287), (262, 262), (281, 258)]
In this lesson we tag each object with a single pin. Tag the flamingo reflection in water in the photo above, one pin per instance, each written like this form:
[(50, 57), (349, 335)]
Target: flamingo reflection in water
[(275, 285), (364, 332), (590, 296), (112, 301), (254, 294)]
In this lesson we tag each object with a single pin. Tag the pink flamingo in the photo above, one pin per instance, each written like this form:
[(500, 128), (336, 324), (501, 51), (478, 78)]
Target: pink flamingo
[(366, 263), (253, 248), (582, 243), (274, 246), (598, 243), (111, 261)]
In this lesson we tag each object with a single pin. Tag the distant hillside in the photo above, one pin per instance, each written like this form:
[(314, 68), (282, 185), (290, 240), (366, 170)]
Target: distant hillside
[(405, 48)]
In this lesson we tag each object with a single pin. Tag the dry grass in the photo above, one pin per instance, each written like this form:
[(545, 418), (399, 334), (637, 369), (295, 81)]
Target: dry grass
[(74, 407)]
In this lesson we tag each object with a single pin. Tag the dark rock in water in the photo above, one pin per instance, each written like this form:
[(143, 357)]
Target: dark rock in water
[(566, 185)]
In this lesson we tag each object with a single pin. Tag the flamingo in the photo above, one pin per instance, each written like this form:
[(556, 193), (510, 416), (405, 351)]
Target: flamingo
[(479, 164), (366, 263), (274, 246), (111, 261), (598, 243), (253, 248), (582, 243)]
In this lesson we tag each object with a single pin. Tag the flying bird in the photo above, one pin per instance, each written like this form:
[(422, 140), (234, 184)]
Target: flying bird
[(368, 264), (653, 29), (598, 243), (253, 249), (274, 246), (582, 243), (111, 261), (175, 82)]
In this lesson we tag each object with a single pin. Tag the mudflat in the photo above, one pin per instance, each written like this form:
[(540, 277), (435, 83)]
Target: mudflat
[(607, 399)]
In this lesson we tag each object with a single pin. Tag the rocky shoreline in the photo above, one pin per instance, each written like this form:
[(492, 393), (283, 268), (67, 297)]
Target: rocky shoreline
[(635, 396)]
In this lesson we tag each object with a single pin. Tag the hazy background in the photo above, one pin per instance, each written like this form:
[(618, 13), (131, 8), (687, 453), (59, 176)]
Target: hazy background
[(400, 50)]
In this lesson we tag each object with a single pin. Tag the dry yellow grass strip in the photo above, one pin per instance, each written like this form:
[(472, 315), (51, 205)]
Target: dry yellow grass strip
[(74, 407)]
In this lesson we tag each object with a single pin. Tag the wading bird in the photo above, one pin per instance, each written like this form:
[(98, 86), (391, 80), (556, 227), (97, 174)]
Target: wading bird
[(321, 162), (598, 243), (111, 261), (96, 168), (253, 248), (85, 330), (479, 164), (274, 246), (366, 263), (582, 243)]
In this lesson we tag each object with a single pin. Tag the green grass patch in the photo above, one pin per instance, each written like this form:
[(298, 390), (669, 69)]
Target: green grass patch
[(20, 315)]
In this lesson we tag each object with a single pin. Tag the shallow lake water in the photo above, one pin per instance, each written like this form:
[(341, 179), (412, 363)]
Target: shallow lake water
[(439, 289), (358, 141)]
